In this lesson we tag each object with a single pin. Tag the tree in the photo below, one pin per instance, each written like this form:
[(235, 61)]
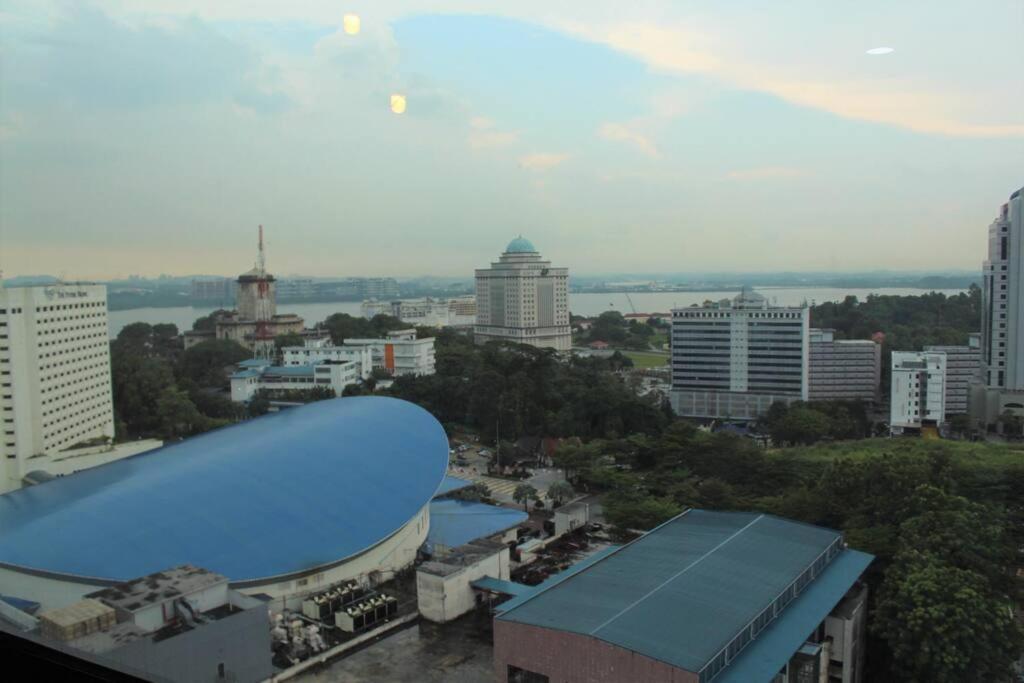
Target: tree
[(476, 492), (288, 339), (944, 624), (259, 404), (208, 323), (208, 363), (560, 491), (627, 511), (524, 493), (178, 415)]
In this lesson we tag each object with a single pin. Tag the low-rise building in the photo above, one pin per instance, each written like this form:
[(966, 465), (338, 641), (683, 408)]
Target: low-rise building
[(182, 624), (426, 312), (843, 369), (259, 375), (729, 597), (444, 586), (321, 349), (399, 353), (963, 370), (918, 391)]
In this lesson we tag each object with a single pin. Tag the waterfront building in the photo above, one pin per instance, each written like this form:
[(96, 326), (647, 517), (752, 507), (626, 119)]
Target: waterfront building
[(523, 299), (55, 392), (1002, 317), (843, 369), (735, 357)]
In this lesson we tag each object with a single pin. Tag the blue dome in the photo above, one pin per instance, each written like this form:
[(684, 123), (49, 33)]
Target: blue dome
[(285, 493), (520, 245)]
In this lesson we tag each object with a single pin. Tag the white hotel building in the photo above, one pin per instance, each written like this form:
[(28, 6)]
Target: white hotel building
[(734, 358), (56, 404), (523, 299)]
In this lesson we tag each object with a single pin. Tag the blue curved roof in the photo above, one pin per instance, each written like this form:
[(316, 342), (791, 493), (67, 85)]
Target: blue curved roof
[(278, 495), (520, 245)]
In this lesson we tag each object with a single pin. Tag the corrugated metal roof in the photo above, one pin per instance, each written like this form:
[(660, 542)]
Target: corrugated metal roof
[(253, 363), (450, 484), (457, 522), (681, 592), (284, 493), (245, 374), (490, 583), (769, 652)]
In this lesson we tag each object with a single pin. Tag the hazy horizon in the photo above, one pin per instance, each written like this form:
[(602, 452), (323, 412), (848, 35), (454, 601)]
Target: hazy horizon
[(153, 136)]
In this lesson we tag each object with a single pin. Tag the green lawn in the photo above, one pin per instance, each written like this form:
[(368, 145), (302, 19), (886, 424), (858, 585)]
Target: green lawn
[(644, 359)]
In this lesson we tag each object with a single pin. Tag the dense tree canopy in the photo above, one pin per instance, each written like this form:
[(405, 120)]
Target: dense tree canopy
[(520, 390)]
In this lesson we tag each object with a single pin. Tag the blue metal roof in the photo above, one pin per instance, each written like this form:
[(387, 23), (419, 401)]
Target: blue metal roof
[(520, 245), (769, 652), (282, 494), (457, 522), (245, 374), (556, 579), (289, 371), (681, 592), (253, 363), (450, 484), (489, 583)]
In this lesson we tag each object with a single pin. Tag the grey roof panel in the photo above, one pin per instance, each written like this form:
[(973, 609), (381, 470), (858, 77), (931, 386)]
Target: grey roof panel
[(680, 593)]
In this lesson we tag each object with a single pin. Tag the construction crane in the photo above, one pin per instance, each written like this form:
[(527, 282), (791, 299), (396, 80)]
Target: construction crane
[(630, 302)]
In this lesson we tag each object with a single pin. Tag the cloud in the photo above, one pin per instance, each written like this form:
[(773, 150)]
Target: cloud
[(484, 135), (541, 161), (766, 173), (900, 102), (621, 133)]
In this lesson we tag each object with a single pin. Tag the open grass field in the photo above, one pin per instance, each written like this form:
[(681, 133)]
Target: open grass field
[(644, 359)]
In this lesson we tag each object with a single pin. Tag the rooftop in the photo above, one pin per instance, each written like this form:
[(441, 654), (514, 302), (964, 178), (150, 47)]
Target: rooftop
[(158, 586), (680, 593), (520, 245), (457, 522), (239, 500)]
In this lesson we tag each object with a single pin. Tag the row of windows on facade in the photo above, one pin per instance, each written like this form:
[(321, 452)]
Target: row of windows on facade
[(45, 331), (89, 410), (49, 382), (730, 314), (64, 403), (68, 340), (73, 359)]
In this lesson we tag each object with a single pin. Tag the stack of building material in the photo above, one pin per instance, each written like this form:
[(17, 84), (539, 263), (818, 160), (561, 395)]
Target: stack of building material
[(77, 620)]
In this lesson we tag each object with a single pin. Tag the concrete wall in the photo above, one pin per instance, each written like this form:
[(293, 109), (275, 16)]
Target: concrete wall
[(573, 658), (443, 598), (570, 517)]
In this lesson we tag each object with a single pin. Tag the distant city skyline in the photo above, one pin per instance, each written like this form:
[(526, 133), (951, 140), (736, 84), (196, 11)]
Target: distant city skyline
[(657, 138)]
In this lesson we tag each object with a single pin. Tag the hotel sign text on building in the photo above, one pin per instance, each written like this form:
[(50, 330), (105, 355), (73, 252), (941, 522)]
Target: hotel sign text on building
[(63, 293)]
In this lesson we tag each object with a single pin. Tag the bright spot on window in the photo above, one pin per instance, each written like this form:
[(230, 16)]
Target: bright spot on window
[(880, 50), (398, 104), (351, 24)]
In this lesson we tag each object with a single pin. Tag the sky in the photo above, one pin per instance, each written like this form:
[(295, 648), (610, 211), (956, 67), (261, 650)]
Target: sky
[(153, 136)]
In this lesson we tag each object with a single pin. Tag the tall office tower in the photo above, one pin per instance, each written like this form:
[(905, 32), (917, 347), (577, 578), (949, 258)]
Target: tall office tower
[(1002, 316), (843, 369), (522, 299), (55, 394), (734, 358), (917, 398)]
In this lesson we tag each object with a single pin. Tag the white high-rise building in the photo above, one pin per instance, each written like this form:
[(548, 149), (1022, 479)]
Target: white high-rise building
[(523, 299), (1001, 388), (918, 390), (734, 358), (55, 392)]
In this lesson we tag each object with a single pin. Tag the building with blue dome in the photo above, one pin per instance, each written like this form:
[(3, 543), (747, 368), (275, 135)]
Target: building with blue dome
[(523, 299)]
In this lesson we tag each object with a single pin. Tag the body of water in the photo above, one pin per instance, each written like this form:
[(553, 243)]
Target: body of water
[(588, 304)]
